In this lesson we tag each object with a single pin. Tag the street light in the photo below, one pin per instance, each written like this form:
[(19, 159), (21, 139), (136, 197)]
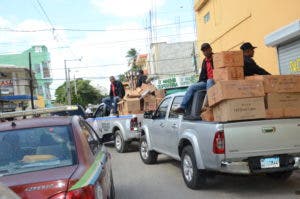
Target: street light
[(68, 90)]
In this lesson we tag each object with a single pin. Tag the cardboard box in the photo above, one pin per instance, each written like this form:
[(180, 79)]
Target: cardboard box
[(149, 87), (229, 73), (240, 109), (149, 103), (291, 112), (158, 100), (133, 94), (234, 89), (160, 93), (274, 113), (282, 100), (228, 59), (207, 115), (278, 83), (131, 106)]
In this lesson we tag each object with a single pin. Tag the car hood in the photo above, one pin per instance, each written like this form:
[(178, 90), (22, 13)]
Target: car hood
[(40, 184)]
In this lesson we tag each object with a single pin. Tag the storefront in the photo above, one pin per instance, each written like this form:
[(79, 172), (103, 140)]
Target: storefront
[(287, 42)]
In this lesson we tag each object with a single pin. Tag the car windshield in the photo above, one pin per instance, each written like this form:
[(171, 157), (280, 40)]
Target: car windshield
[(26, 150)]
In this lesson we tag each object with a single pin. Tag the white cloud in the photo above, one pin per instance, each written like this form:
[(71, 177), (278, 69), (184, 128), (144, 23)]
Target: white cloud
[(125, 8)]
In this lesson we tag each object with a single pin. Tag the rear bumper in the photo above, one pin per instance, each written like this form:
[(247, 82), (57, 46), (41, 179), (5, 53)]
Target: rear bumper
[(133, 135), (244, 168)]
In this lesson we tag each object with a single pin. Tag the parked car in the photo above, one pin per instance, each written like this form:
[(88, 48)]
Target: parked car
[(122, 129), (54, 157), (70, 112), (267, 146)]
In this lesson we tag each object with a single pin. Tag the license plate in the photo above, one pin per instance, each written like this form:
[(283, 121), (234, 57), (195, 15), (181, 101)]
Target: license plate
[(269, 162)]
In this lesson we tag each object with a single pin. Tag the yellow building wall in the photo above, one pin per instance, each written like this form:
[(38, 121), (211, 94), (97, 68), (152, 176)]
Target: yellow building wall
[(233, 22)]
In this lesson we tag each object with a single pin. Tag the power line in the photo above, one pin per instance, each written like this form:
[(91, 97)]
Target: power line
[(87, 30), (43, 10)]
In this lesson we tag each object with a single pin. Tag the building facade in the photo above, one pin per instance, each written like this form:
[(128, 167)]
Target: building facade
[(15, 91), (173, 65), (228, 24), (40, 61)]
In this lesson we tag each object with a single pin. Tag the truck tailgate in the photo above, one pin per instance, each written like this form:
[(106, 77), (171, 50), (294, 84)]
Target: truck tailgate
[(262, 138)]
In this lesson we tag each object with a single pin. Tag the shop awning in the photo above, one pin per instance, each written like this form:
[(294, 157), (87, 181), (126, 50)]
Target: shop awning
[(16, 97)]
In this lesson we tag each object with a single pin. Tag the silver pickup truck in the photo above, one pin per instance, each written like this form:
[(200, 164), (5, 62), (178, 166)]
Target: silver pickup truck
[(122, 129), (269, 146)]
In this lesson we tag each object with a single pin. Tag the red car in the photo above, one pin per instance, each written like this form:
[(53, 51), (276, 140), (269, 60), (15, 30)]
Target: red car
[(56, 158)]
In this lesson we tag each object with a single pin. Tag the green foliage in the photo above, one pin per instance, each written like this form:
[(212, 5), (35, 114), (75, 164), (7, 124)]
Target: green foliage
[(86, 93)]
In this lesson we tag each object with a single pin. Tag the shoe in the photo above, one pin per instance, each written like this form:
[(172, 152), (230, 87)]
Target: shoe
[(179, 110)]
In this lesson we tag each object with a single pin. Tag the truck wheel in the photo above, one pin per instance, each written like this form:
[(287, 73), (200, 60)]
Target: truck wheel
[(284, 175), (120, 145), (148, 157), (193, 177)]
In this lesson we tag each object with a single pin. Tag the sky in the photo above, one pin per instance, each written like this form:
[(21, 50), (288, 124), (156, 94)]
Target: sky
[(99, 32)]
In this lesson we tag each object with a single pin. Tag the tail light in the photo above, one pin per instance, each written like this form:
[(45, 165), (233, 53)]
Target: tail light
[(219, 143), (134, 124), (88, 192)]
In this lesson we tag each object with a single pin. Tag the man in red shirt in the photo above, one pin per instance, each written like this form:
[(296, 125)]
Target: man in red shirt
[(116, 93), (205, 79)]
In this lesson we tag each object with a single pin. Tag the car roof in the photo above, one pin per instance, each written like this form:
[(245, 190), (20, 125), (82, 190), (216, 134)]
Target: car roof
[(35, 122)]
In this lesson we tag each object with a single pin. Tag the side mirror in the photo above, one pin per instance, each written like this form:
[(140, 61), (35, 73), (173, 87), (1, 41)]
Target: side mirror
[(149, 114), (105, 139)]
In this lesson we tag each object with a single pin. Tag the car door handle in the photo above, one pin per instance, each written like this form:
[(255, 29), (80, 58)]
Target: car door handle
[(174, 126), (162, 125)]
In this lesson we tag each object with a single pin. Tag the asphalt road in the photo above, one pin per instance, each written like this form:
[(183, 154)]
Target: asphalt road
[(135, 180)]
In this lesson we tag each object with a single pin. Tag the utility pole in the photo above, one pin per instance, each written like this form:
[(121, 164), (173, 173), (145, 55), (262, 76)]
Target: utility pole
[(67, 73), (195, 58), (31, 82), (67, 84)]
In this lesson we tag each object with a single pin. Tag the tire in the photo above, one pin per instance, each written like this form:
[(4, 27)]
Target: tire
[(148, 157), (120, 145), (193, 178), (283, 175)]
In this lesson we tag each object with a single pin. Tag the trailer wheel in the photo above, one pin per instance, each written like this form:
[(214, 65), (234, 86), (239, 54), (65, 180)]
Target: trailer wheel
[(120, 145), (147, 156), (193, 178)]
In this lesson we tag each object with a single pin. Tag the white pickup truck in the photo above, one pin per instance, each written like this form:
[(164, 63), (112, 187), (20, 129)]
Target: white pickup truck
[(122, 129), (269, 146)]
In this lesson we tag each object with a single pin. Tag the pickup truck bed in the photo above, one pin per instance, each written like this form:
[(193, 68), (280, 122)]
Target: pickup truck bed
[(243, 147)]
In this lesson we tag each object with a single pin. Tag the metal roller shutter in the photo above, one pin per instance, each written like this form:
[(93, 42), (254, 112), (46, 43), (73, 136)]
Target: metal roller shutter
[(289, 58)]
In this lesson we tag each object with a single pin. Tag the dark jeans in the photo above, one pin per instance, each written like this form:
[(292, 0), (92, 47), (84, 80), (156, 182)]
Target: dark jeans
[(109, 100), (192, 89)]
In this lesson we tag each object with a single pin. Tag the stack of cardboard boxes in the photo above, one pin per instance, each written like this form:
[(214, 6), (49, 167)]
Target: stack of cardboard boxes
[(141, 99), (234, 98), (282, 95)]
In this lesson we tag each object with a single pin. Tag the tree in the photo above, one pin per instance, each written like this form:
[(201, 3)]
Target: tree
[(86, 93), (132, 55)]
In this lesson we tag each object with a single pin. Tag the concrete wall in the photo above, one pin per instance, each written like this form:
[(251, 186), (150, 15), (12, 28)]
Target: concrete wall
[(171, 59)]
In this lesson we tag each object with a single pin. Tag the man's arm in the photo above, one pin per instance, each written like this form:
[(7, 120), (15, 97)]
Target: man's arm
[(251, 68), (203, 73)]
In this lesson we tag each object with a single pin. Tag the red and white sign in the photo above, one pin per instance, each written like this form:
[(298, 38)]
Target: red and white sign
[(6, 82)]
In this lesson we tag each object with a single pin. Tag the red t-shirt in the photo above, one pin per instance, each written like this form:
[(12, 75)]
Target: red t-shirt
[(113, 89), (209, 68)]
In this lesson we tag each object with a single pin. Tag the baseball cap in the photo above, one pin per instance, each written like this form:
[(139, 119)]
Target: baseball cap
[(205, 46), (247, 46)]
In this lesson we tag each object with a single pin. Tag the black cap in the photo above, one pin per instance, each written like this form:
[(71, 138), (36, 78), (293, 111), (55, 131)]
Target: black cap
[(205, 46), (247, 46)]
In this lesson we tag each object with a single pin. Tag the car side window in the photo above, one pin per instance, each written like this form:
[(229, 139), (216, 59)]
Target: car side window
[(176, 103), (162, 109), (90, 136)]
